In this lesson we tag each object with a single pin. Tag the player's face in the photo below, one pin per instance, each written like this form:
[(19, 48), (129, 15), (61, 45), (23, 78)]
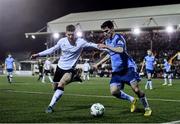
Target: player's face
[(9, 56), (149, 52), (70, 35), (107, 32)]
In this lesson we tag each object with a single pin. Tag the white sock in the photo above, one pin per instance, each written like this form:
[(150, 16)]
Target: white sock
[(43, 79), (88, 77), (125, 96), (57, 95), (144, 102), (10, 77), (165, 81), (50, 79), (170, 81), (84, 77), (150, 84), (147, 83)]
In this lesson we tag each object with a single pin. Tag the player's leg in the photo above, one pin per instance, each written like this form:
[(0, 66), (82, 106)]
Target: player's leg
[(118, 93), (116, 87), (77, 76), (8, 76), (49, 76), (87, 75), (147, 82), (150, 82), (44, 76), (165, 79), (40, 75), (149, 75), (66, 78), (170, 79), (132, 78), (142, 97), (84, 76)]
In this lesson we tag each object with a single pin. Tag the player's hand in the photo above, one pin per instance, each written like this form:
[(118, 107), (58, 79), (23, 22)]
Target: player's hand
[(33, 56), (102, 46)]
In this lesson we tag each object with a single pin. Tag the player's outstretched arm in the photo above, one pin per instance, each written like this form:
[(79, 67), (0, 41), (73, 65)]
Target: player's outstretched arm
[(33, 56), (101, 61), (142, 66), (114, 49)]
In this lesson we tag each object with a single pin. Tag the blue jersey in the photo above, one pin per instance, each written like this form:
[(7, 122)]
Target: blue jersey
[(9, 63), (167, 66), (119, 61), (149, 62)]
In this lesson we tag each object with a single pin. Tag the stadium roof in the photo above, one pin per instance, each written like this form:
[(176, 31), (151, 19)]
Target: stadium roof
[(154, 16)]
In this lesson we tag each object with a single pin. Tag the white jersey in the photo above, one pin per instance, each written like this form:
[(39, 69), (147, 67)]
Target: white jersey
[(86, 67), (47, 65), (69, 53)]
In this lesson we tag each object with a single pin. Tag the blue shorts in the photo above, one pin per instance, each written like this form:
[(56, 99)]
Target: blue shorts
[(129, 77), (148, 71), (9, 70)]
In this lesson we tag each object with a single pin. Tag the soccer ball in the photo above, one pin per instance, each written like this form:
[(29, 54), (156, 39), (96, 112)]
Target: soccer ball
[(97, 110)]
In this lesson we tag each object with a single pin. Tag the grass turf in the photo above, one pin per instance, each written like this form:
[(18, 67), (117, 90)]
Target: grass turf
[(25, 101)]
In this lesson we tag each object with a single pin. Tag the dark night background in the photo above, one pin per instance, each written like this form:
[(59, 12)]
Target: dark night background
[(20, 16)]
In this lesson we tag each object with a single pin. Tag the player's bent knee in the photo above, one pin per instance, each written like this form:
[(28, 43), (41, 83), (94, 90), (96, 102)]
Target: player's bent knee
[(115, 93), (136, 90), (61, 84)]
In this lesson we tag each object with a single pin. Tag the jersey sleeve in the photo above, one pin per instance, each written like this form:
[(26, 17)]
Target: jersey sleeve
[(51, 50), (145, 58), (120, 41), (89, 44)]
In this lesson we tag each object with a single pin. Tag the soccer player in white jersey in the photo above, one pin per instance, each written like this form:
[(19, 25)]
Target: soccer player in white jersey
[(71, 48), (167, 73), (47, 70), (86, 68), (123, 68), (10, 67), (149, 62)]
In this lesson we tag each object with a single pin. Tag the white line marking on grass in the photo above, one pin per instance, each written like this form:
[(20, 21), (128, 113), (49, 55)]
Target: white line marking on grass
[(172, 122), (97, 96)]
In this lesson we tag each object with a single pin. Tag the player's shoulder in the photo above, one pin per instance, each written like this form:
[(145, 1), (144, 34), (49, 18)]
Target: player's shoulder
[(62, 40), (153, 57), (146, 57), (81, 39), (119, 37)]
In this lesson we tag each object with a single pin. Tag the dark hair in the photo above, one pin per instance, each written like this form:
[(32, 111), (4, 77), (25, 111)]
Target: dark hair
[(70, 28), (108, 24)]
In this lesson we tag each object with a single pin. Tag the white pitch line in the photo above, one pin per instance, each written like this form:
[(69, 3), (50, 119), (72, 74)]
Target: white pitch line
[(172, 122), (81, 95)]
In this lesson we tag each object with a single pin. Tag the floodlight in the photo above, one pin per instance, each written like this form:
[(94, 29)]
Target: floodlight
[(170, 29), (33, 37), (79, 33), (56, 35), (136, 31)]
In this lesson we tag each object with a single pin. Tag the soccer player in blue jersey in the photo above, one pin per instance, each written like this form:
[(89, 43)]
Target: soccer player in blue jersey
[(71, 48), (10, 67), (167, 73), (149, 62), (123, 68)]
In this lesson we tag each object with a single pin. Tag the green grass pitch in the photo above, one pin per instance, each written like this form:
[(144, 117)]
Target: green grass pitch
[(25, 101)]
